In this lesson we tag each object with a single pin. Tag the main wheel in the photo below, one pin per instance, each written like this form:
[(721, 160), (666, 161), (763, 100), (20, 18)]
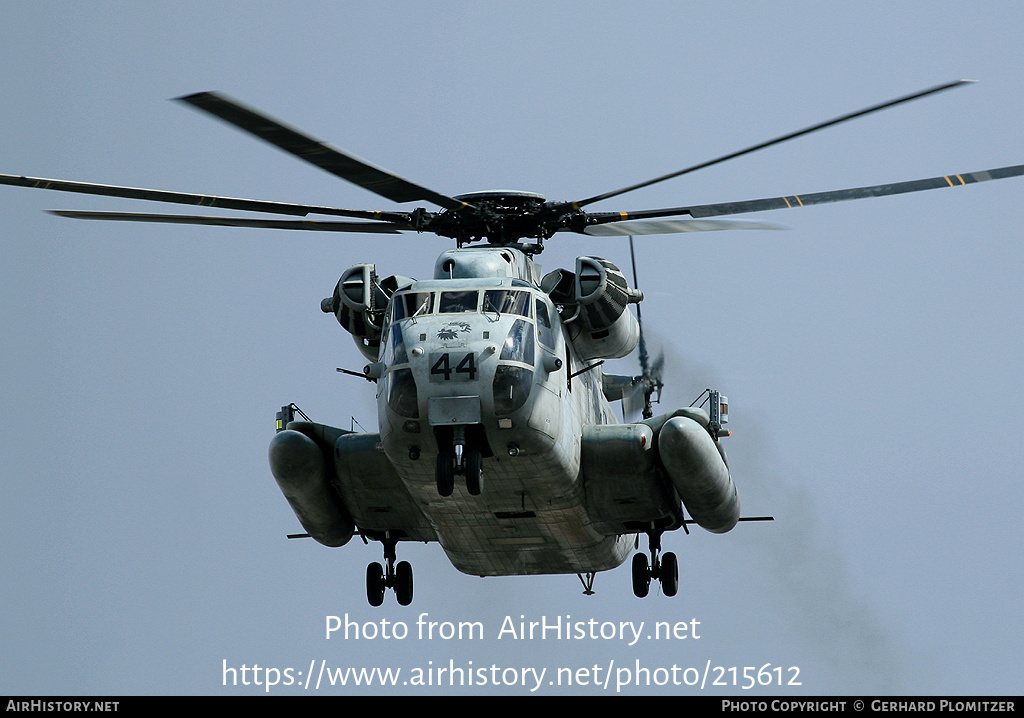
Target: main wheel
[(375, 584), (474, 472), (445, 473), (641, 576), (403, 583), (669, 574)]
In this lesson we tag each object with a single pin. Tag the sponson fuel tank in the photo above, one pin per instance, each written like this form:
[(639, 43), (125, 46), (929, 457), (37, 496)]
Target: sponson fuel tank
[(299, 466), (699, 473)]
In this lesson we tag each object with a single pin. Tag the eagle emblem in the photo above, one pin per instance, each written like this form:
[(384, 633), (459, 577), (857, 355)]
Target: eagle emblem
[(452, 330)]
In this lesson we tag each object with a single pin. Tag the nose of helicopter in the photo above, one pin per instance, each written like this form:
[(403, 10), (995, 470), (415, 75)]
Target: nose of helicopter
[(456, 371)]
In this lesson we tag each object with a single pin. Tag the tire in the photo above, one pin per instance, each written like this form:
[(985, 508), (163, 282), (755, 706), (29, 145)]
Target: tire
[(403, 583), (641, 576), (669, 574), (474, 472), (375, 584), (445, 473)]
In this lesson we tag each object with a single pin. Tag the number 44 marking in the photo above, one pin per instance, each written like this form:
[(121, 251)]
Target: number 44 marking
[(441, 370)]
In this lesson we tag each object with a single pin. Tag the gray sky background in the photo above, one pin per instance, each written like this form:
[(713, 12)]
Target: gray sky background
[(871, 352)]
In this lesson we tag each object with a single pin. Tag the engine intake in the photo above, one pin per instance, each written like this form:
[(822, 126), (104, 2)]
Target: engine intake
[(593, 303), (359, 302)]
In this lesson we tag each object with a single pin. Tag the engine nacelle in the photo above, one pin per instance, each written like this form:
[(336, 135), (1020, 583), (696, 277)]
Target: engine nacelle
[(593, 302), (359, 302)]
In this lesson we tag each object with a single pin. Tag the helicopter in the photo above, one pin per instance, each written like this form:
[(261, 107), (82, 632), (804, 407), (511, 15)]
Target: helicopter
[(496, 434)]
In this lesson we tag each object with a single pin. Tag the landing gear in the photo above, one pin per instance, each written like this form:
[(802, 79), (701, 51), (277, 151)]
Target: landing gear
[(588, 582), (396, 576), (445, 473), (664, 568), (460, 458)]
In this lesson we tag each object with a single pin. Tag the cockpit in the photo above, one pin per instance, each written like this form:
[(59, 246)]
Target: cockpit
[(438, 337), (407, 304)]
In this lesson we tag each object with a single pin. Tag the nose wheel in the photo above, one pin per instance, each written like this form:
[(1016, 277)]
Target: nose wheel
[(463, 459), (393, 575), (445, 473), (662, 567), (474, 470)]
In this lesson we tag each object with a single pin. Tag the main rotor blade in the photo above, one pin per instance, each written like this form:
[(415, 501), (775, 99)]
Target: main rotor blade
[(672, 226), (775, 141), (803, 200), (328, 158), (304, 224), (202, 200)]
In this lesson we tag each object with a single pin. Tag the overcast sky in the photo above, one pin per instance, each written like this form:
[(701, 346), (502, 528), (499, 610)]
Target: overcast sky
[(870, 353)]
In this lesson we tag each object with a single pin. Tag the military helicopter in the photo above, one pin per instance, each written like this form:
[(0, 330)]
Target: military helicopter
[(496, 434)]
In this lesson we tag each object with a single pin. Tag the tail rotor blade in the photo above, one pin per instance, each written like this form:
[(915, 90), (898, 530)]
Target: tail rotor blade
[(649, 382), (658, 365), (633, 403)]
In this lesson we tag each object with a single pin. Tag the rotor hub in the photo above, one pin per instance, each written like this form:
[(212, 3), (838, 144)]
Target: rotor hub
[(499, 216)]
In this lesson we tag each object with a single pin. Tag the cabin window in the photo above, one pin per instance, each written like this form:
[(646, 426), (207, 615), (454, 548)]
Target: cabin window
[(455, 302), (504, 301)]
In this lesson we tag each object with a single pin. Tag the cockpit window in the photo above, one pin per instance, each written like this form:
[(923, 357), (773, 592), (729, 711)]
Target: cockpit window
[(519, 343), (455, 302), (412, 304), (511, 388), (547, 335), (401, 392), (504, 301), (394, 350)]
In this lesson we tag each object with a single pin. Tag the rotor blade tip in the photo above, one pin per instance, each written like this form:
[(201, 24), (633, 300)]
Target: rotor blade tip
[(191, 98)]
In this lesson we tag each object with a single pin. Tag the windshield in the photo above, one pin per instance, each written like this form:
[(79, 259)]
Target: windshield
[(505, 301), (412, 304), (407, 305), (455, 302)]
